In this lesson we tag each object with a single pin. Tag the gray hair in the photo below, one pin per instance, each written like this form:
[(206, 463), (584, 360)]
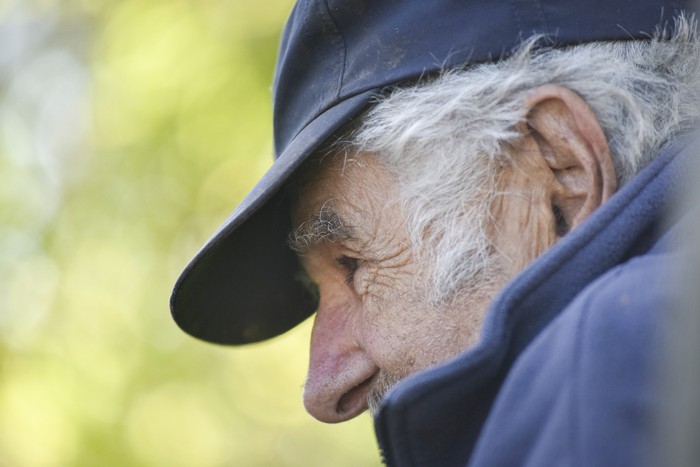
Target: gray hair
[(446, 138)]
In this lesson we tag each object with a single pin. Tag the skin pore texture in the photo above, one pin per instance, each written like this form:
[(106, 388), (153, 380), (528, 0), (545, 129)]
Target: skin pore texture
[(375, 325)]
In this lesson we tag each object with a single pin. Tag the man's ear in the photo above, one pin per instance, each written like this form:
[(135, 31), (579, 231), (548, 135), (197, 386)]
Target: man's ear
[(575, 149)]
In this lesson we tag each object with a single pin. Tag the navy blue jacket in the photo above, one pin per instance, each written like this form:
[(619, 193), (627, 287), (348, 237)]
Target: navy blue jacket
[(564, 373)]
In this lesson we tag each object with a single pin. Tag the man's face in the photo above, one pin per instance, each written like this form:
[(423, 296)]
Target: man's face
[(374, 325)]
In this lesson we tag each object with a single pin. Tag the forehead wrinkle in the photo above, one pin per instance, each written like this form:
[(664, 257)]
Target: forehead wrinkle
[(325, 225)]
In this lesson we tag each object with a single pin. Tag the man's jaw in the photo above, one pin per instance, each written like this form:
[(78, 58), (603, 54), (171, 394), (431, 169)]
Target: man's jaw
[(382, 383)]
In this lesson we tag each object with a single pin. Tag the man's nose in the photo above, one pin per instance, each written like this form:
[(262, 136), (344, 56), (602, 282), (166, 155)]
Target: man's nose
[(340, 371)]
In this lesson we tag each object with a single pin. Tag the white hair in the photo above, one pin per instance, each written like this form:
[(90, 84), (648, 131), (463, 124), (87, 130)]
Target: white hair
[(446, 138)]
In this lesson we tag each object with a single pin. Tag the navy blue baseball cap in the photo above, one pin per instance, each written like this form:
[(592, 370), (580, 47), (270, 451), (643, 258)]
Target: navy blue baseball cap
[(335, 56)]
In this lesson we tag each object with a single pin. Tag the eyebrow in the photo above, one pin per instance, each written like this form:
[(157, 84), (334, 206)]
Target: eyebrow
[(325, 225)]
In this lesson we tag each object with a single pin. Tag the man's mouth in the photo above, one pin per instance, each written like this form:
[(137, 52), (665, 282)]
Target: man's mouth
[(354, 401)]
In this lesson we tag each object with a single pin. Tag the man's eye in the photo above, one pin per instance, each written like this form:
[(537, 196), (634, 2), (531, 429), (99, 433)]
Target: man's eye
[(350, 266)]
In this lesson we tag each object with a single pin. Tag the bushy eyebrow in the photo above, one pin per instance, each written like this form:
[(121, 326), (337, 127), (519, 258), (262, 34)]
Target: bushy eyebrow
[(325, 225)]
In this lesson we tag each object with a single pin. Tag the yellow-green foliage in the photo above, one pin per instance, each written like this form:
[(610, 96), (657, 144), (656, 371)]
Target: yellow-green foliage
[(128, 131)]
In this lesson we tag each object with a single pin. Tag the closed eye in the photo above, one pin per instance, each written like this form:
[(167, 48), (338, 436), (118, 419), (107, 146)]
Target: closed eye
[(350, 266)]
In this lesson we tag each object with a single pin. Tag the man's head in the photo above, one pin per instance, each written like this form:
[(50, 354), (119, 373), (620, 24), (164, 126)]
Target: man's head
[(411, 223), (467, 159)]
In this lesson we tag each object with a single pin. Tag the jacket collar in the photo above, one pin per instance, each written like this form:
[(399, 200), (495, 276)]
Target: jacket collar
[(434, 417)]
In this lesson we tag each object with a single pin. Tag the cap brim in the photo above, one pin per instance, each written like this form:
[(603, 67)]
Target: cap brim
[(243, 286)]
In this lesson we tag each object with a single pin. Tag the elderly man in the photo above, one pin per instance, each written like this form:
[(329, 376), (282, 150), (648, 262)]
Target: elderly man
[(471, 207)]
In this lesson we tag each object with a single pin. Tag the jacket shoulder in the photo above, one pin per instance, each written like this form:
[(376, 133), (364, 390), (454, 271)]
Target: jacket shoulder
[(583, 392)]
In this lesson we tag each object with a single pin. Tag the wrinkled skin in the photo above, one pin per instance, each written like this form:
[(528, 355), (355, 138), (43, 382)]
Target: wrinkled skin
[(374, 325)]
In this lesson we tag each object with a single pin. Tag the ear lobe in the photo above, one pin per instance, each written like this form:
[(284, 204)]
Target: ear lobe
[(574, 147)]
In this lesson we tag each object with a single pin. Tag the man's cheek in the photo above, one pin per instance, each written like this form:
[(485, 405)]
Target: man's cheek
[(379, 288), (372, 284)]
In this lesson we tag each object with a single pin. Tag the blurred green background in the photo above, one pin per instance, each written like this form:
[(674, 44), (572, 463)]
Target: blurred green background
[(128, 131)]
